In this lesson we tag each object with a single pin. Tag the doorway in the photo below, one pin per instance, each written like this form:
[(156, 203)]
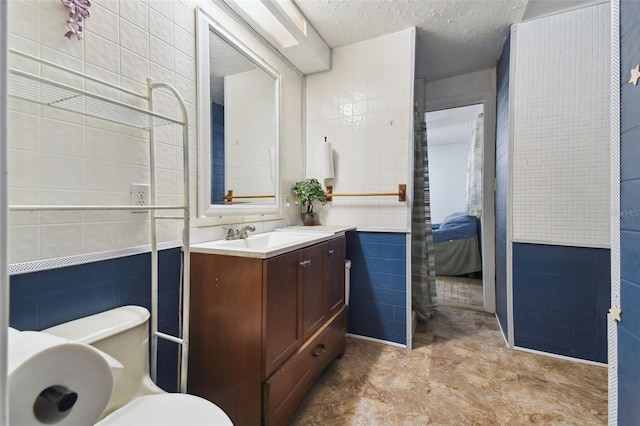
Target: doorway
[(455, 147)]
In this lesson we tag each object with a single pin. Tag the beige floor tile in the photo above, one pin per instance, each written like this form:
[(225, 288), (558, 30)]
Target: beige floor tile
[(459, 373)]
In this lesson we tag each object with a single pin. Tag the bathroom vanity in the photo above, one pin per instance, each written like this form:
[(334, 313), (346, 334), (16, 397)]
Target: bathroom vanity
[(265, 321)]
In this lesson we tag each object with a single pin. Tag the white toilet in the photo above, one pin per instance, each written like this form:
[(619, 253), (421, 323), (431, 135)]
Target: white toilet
[(123, 333)]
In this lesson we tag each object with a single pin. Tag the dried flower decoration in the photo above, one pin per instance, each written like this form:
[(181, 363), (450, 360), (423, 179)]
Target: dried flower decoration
[(78, 11)]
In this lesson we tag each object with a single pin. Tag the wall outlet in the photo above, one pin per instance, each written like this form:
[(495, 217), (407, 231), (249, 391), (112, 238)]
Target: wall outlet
[(140, 196)]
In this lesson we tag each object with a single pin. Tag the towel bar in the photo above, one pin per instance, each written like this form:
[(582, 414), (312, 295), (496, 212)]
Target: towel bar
[(230, 197), (401, 194)]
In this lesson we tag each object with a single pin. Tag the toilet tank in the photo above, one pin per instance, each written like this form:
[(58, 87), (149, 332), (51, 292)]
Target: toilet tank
[(123, 333)]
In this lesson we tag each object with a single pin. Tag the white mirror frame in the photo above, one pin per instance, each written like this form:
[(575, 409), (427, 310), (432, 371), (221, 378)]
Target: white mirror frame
[(204, 24)]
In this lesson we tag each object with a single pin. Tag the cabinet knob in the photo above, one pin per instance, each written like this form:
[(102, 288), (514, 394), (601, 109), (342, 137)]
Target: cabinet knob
[(330, 251), (319, 350), (305, 263)]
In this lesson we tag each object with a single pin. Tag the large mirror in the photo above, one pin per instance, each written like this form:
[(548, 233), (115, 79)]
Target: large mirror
[(238, 127)]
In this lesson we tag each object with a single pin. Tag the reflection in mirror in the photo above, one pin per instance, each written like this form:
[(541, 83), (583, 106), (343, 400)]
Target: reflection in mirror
[(238, 135), (243, 127)]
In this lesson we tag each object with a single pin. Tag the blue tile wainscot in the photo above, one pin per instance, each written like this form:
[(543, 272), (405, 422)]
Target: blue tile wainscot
[(50, 297), (377, 303)]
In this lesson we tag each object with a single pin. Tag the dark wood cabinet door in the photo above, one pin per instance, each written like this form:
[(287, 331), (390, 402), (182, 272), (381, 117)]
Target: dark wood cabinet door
[(314, 313), (225, 337), (281, 310), (249, 317), (288, 386), (334, 272)]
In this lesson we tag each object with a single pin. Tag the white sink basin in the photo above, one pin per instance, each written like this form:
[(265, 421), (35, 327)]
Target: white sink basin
[(262, 246)]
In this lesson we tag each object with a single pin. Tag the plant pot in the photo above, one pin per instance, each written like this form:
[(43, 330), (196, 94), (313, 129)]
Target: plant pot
[(308, 219)]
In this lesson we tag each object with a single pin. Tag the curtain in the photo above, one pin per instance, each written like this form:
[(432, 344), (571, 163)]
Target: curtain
[(474, 169), (423, 272)]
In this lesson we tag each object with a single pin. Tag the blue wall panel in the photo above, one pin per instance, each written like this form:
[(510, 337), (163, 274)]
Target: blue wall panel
[(217, 154), (502, 176), (629, 328), (46, 298), (377, 304), (628, 378), (561, 298)]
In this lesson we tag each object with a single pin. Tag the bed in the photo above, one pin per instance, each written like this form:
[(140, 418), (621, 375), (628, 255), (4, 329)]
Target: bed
[(457, 251)]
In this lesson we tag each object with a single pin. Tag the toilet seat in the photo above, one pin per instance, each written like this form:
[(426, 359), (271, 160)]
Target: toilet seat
[(168, 409)]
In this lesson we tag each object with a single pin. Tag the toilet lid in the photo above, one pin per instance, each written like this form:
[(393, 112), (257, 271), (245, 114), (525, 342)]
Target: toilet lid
[(168, 409)]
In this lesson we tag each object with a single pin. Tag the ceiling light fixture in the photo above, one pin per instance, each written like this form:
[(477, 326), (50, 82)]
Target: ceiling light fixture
[(269, 23), (281, 24), (294, 14)]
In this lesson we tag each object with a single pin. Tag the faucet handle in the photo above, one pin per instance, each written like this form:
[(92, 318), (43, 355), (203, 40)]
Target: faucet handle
[(230, 231)]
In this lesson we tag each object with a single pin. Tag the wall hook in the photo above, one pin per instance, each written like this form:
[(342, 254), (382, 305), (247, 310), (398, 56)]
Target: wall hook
[(635, 75)]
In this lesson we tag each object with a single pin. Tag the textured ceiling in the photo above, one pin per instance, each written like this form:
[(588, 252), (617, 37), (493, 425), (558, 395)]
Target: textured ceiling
[(453, 36), (224, 60)]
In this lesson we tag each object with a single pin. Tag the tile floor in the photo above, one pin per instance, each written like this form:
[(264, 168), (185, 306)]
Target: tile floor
[(459, 373), (459, 291)]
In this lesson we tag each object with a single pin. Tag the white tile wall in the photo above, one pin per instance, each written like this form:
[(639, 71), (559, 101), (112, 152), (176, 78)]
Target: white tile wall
[(249, 118), (561, 129), (363, 107), (60, 157), (62, 196), (161, 53), (29, 25), (135, 12), (101, 52), (106, 26)]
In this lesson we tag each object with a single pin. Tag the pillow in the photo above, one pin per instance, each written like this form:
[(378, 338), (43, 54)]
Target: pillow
[(456, 219)]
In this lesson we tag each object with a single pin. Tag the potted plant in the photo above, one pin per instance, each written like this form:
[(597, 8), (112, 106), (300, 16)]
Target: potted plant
[(308, 191)]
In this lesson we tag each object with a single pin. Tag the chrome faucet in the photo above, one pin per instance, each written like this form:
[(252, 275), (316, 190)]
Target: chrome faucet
[(240, 234)]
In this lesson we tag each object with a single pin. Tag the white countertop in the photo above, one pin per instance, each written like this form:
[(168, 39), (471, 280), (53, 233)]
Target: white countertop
[(325, 229), (270, 244), (263, 246)]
